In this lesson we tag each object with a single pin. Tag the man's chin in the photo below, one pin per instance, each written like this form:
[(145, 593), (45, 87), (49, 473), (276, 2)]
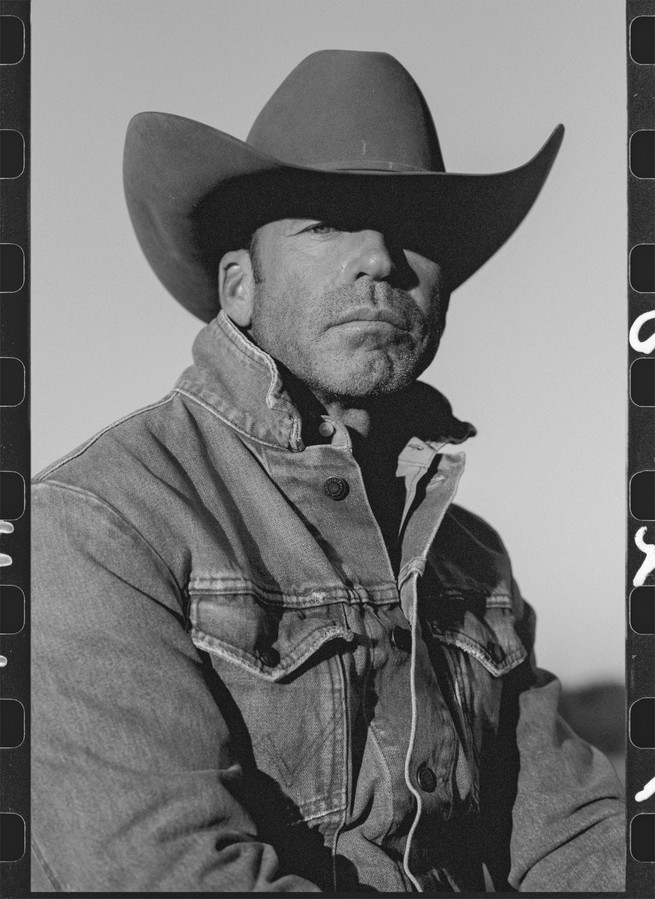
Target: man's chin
[(366, 384)]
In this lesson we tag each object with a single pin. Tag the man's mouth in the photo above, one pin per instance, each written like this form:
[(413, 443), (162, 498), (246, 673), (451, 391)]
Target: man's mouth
[(374, 315)]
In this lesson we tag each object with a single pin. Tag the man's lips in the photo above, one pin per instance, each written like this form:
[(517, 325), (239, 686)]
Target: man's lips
[(374, 314)]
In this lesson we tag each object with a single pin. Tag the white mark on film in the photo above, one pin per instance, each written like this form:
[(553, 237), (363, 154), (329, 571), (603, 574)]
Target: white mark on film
[(642, 346), (6, 527), (648, 565), (647, 791)]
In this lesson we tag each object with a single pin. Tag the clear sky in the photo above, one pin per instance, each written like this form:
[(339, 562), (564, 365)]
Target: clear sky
[(535, 349)]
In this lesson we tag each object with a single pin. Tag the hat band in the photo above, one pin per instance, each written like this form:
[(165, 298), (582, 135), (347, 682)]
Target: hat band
[(369, 165)]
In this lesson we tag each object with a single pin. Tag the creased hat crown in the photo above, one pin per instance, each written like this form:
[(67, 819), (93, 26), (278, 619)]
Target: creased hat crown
[(349, 110)]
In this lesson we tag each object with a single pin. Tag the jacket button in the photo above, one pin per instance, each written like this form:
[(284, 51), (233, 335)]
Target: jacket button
[(326, 429), (427, 779), (336, 488), (496, 652), (269, 656), (401, 638)]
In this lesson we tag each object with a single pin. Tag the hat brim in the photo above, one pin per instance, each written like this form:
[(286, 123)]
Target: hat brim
[(194, 192)]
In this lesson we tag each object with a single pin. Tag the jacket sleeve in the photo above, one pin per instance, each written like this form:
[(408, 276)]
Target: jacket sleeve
[(133, 780), (565, 815)]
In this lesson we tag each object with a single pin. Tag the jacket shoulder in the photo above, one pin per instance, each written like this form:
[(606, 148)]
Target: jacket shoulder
[(131, 429), (143, 475), (469, 557), (474, 528)]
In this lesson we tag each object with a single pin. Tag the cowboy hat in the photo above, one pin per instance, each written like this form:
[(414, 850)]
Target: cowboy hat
[(345, 130)]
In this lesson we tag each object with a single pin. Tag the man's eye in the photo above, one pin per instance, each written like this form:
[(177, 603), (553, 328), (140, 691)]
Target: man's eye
[(320, 228)]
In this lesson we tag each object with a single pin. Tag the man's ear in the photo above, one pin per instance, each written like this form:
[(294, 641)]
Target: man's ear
[(236, 287)]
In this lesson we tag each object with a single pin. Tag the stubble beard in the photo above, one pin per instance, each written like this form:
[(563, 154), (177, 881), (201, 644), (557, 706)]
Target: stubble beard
[(347, 377)]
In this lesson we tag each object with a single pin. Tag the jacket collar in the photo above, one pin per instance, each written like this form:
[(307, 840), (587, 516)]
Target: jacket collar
[(243, 386)]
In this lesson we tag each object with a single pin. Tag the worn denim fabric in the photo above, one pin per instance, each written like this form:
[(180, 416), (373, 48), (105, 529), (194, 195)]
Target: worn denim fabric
[(232, 690)]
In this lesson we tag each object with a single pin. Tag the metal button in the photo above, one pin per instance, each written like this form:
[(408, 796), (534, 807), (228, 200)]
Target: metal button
[(269, 656), (401, 638), (496, 652), (336, 488), (427, 779), (326, 429)]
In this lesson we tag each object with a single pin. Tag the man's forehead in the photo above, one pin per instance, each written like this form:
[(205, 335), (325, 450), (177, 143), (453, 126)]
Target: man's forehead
[(349, 220)]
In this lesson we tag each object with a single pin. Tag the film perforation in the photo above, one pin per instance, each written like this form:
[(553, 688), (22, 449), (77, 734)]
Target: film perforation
[(641, 433), (14, 446), (642, 40)]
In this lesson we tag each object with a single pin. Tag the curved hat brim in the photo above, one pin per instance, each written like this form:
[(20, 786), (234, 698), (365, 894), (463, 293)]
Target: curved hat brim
[(194, 192)]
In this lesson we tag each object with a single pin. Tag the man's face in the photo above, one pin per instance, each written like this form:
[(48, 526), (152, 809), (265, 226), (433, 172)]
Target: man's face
[(351, 313)]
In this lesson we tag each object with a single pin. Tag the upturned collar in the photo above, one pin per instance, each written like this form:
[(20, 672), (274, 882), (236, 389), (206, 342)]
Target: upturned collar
[(242, 384)]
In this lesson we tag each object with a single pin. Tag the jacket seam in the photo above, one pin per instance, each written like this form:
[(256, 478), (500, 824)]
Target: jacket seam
[(316, 816), (59, 884), (410, 746), (346, 767), (387, 776), (321, 595), (85, 446)]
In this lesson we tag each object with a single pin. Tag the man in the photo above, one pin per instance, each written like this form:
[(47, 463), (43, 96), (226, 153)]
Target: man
[(270, 653)]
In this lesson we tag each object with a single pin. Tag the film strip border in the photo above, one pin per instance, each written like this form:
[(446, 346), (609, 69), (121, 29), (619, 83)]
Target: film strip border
[(14, 444), (640, 778), (14, 447)]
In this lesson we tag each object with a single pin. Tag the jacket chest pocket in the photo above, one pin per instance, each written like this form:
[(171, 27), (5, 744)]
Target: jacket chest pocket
[(281, 691), (473, 644), (483, 628)]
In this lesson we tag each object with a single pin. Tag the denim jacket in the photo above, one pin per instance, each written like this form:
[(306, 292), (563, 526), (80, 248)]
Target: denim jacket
[(232, 690)]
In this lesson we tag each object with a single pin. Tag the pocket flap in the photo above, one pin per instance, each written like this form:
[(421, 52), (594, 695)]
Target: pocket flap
[(490, 637), (267, 639)]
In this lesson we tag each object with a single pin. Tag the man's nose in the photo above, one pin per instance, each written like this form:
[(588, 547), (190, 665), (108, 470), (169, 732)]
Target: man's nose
[(368, 255)]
